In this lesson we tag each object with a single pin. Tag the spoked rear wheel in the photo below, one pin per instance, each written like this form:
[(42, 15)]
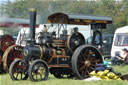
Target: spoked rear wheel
[(18, 70), (84, 60), (38, 70), (10, 55)]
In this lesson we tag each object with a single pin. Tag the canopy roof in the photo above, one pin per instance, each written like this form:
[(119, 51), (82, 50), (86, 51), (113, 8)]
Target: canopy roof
[(79, 19)]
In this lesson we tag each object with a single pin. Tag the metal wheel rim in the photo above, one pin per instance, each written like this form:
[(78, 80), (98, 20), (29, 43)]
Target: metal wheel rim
[(39, 71), (19, 71), (10, 55), (85, 63)]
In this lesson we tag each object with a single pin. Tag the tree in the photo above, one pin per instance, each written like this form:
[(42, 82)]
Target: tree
[(118, 11)]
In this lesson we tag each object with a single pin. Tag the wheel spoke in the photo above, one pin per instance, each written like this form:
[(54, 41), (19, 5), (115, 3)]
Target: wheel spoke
[(40, 77), (87, 71), (21, 75), (93, 64), (88, 57), (81, 68), (83, 72), (82, 56), (96, 61), (92, 59), (36, 77), (17, 75), (91, 67)]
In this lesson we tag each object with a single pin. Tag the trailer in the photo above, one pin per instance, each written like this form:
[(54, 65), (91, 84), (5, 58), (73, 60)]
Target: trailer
[(120, 41)]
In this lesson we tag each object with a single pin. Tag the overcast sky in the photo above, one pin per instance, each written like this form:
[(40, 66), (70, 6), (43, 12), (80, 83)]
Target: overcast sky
[(4, 1)]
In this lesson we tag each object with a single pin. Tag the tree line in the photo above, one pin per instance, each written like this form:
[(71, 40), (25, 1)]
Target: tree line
[(117, 10)]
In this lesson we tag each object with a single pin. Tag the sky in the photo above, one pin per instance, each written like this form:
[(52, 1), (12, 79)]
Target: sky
[(4, 1), (7, 0)]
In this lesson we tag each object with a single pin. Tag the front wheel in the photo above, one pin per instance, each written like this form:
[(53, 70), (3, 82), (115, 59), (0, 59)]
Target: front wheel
[(38, 70), (18, 70), (84, 60)]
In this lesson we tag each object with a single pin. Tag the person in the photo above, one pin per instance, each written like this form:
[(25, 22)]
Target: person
[(120, 59), (45, 28)]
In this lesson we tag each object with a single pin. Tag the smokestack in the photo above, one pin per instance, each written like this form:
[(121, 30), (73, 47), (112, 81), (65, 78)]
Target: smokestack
[(32, 24)]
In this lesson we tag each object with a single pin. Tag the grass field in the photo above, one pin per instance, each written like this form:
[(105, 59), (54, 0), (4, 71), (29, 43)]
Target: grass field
[(5, 80)]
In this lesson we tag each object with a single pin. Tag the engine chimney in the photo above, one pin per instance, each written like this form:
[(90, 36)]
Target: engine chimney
[(32, 24)]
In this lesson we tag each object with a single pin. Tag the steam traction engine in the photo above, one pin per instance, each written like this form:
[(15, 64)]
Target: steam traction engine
[(57, 52)]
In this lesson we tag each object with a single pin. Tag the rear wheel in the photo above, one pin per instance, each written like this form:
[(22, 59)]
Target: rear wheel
[(13, 52), (38, 70), (6, 41), (18, 70), (84, 60)]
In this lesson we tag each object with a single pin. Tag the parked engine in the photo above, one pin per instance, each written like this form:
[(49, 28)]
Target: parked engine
[(58, 52)]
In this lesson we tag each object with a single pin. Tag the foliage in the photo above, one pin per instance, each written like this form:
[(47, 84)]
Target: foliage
[(11, 30), (117, 10)]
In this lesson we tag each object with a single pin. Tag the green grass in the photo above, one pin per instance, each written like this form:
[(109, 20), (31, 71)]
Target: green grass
[(6, 80)]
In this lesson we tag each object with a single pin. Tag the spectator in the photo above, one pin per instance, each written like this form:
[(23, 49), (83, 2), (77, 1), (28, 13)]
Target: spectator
[(120, 59), (45, 28)]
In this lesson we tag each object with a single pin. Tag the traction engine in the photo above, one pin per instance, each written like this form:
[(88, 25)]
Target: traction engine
[(58, 53)]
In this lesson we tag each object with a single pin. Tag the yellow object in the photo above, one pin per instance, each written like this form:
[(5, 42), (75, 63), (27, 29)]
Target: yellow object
[(105, 75), (102, 73), (106, 71), (111, 75), (93, 73), (119, 79), (106, 78), (116, 77)]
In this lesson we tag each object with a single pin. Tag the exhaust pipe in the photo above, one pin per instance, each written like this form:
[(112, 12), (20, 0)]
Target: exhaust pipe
[(32, 24)]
